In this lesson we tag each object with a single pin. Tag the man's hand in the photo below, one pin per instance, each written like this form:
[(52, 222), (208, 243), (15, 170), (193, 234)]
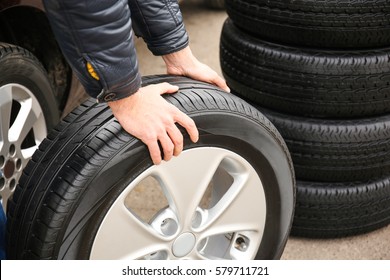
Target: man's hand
[(184, 63), (149, 117)]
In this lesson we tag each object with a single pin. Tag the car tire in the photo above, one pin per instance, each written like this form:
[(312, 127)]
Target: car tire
[(336, 150), (28, 110), (330, 210), (342, 169), (334, 24), (73, 191), (317, 74), (306, 82)]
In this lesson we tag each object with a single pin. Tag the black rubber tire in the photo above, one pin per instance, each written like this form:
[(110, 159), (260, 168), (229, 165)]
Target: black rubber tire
[(307, 82), (329, 210), (19, 67), (61, 199), (326, 24), (336, 150)]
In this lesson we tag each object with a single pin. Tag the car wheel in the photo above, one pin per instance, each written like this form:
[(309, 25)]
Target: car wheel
[(27, 108), (229, 196), (336, 150)]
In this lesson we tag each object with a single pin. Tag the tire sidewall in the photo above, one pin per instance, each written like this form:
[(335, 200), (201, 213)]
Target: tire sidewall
[(16, 68), (225, 131)]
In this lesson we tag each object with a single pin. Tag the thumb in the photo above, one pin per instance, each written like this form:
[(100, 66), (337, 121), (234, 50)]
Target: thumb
[(167, 88)]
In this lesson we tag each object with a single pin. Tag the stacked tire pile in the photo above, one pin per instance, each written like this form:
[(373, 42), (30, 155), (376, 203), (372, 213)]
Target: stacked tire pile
[(320, 71)]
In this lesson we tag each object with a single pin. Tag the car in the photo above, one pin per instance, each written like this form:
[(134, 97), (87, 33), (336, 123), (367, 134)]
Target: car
[(35, 86)]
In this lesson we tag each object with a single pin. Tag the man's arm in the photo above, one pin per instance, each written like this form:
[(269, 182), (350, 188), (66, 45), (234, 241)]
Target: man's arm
[(160, 24), (97, 40)]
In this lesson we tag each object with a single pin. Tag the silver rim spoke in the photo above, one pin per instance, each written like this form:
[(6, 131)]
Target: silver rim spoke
[(24, 122), (27, 153), (233, 224), (241, 208), (123, 236), (186, 179), (5, 111)]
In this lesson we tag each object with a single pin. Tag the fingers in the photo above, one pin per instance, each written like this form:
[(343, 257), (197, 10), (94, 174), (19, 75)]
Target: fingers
[(154, 151), (153, 120), (162, 145), (219, 82), (172, 142), (171, 139), (166, 88), (189, 125), (177, 140)]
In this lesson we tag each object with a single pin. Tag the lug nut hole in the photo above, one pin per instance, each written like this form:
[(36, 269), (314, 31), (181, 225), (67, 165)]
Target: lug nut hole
[(12, 150), (169, 227)]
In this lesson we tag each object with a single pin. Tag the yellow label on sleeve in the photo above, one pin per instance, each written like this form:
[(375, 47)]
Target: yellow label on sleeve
[(92, 72)]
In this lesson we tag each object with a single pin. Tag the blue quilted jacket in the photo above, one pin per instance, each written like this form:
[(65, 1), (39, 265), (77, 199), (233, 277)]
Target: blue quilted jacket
[(96, 38)]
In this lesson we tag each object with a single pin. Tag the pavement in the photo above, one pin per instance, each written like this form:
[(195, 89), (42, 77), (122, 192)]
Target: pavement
[(204, 27)]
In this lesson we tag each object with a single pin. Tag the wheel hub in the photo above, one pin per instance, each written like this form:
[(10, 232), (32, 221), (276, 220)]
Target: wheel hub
[(165, 222), (9, 169), (183, 245)]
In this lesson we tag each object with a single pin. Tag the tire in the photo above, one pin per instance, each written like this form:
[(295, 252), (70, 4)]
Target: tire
[(329, 210), (28, 111), (306, 82), (336, 150), (73, 190), (326, 24), (215, 4)]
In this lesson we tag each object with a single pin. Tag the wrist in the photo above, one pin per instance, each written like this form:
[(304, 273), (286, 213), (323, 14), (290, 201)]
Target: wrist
[(125, 103), (179, 58)]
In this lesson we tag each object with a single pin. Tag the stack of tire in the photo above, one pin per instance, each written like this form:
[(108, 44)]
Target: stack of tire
[(320, 71)]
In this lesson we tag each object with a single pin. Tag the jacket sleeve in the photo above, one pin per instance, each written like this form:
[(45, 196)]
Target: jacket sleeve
[(97, 40), (160, 24)]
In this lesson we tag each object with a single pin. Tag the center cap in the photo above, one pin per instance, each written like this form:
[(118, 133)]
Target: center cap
[(9, 169), (183, 245)]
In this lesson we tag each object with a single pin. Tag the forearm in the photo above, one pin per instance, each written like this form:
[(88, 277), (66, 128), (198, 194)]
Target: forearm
[(160, 24), (100, 35)]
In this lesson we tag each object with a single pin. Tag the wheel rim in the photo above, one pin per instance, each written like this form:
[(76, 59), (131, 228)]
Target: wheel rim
[(216, 209), (22, 128)]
